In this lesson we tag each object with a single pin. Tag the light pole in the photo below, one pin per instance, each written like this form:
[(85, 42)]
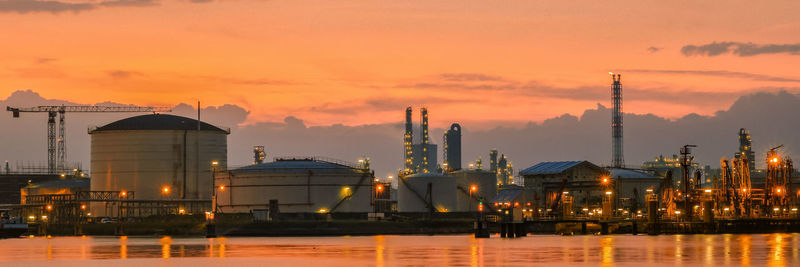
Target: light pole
[(472, 188), (211, 230), (214, 165)]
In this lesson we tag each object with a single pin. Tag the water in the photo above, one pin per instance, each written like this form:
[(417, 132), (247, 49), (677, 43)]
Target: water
[(459, 250)]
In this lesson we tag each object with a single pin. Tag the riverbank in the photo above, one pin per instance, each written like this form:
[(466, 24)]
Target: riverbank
[(241, 226)]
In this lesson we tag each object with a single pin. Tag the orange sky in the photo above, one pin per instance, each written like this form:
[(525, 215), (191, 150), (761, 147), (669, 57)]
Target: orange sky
[(359, 62)]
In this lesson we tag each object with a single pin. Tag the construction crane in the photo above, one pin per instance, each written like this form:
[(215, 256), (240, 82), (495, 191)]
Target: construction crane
[(56, 147)]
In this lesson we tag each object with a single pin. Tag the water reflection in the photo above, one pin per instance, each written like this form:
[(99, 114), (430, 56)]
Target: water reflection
[(708, 250)]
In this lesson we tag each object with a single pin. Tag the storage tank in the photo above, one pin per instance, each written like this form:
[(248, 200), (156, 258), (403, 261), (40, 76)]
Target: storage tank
[(300, 185), (413, 189), (474, 185), (157, 156)]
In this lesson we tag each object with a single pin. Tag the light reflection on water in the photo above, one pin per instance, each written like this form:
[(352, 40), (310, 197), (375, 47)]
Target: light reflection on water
[(614, 250)]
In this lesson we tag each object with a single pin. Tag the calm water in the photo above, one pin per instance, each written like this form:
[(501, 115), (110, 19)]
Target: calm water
[(622, 250)]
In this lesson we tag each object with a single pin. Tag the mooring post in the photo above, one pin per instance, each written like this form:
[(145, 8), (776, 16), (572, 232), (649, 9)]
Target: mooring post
[(652, 217), (708, 216), (604, 228)]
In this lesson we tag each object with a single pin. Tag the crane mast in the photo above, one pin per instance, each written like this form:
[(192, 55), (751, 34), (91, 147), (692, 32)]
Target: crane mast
[(57, 147)]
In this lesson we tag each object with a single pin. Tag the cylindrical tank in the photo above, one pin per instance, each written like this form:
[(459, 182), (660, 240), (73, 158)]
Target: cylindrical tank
[(157, 156), (474, 185), (413, 189), (300, 185)]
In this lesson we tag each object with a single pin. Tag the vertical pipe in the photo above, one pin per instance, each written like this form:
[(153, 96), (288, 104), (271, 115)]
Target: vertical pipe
[(183, 184), (197, 156)]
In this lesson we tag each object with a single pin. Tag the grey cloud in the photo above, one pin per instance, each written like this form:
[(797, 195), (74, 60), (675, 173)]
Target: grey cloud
[(124, 3), (718, 73), (582, 93), (44, 60), (654, 49), (123, 74), (380, 104), (31, 6), (567, 137), (224, 116), (469, 77), (739, 49), (55, 7)]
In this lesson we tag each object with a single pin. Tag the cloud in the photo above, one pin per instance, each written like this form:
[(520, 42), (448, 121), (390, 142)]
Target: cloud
[(123, 74), (718, 73), (566, 137), (739, 49), (55, 7), (469, 77), (654, 49), (538, 89), (44, 60), (201, 1), (32, 6), (123, 3)]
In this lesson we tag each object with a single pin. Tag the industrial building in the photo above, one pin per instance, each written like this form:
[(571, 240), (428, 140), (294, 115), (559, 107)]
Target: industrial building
[(420, 157), (559, 183), (631, 186), (298, 185), (452, 148), (671, 166), (746, 148), (157, 156), (12, 182), (55, 187)]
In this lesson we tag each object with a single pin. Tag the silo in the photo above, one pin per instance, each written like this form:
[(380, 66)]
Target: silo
[(474, 185), (149, 153), (413, 192), (300, 185)]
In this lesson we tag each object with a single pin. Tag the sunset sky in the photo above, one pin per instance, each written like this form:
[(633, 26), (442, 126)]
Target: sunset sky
[(361, 62)]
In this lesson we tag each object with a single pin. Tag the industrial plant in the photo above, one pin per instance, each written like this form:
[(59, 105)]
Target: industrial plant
[(158, 165)]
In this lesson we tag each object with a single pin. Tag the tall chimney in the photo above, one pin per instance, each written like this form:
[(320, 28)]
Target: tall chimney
[(425, 139), (616, 122), (407, 140)]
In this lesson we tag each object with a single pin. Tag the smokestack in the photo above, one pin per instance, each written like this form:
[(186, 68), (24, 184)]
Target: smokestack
[(425, 139), (407, 140), (616, 122), (424, 114)]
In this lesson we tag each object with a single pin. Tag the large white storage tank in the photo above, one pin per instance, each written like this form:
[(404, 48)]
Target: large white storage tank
[(474, 185), (300, 185), (146, 154), (413, 189)]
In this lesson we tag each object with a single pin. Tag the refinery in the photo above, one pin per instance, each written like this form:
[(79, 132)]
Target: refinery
[(150, 167)]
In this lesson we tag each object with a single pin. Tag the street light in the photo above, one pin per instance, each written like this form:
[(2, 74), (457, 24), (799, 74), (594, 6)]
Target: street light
[(472, 188)]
